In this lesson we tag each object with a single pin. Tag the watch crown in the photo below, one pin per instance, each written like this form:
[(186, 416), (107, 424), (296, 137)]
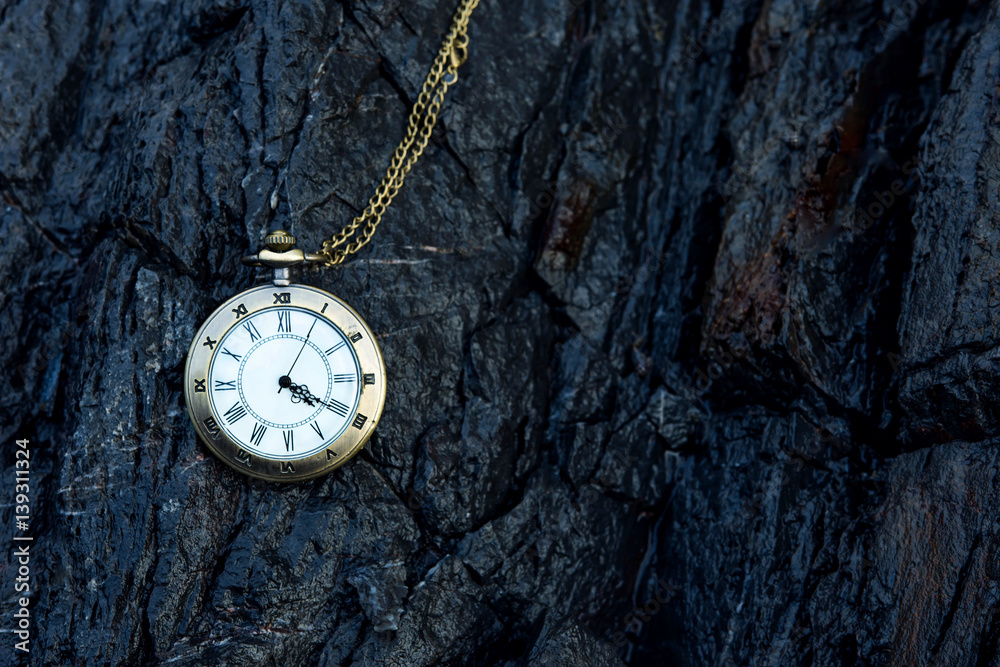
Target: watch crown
[(279, 241)]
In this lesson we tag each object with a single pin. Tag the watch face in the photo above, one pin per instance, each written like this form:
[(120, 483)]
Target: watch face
[(285, 383)]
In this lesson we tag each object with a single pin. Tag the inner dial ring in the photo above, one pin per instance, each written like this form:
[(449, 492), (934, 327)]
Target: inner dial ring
[(254, 367), (253, 406)]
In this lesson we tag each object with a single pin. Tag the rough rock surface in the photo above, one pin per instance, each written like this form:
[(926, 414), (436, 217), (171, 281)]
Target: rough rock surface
[(690, 314)]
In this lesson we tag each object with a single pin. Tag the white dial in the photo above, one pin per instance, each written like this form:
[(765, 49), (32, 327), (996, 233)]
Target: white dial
[(285, 383)]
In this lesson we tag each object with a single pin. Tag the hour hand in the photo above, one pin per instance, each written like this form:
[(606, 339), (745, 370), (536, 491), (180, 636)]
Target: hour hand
[(301, 394)]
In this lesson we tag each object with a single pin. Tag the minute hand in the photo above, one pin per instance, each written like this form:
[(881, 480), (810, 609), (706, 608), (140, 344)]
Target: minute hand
[(289, 373)]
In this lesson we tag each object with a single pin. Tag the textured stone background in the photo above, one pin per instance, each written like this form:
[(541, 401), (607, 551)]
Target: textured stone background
[(645, 353)]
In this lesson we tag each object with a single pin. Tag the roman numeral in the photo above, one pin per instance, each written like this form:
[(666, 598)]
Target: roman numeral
[(199, 386), (284, 321), (212, 426), (330, 454), (359, 421), (209, 343), (240, 311), (324, 308), (235, 413), (337, 407), (284, 297), (355, 337), (243, 456), (287, 467), (258, 434), (346, 377), (252, 330), (315, 426), (289, 441), (369, 378), (335, 348), (225, 386), (234, 356)]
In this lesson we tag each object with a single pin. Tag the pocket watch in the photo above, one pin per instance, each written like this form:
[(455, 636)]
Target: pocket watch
[(286, 382)]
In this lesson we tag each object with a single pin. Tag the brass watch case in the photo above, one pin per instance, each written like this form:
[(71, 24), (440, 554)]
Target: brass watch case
[(242, 458)]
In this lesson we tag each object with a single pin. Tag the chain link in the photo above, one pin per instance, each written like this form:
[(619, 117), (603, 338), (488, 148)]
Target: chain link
[(423, 118)]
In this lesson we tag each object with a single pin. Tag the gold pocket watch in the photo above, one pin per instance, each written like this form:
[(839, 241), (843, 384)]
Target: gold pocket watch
[(285, 382)]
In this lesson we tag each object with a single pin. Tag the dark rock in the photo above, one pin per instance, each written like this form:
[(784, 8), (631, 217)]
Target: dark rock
[(688, 310)]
